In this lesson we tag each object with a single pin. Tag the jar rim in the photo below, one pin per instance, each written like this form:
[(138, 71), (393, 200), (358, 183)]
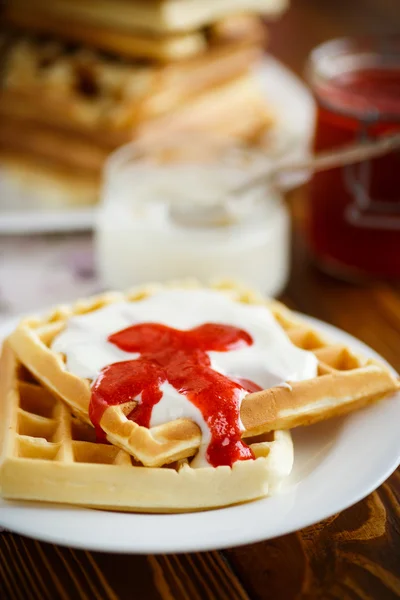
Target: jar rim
[(135, 151), (384, 46), (336, 58)]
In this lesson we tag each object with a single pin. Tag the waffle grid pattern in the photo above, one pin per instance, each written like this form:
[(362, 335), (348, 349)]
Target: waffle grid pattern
[(46, 454), (332, 358), (344, 382), (43, 434), (46, 430)]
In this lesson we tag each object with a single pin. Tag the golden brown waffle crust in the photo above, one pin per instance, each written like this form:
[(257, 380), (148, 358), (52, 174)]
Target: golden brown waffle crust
[(153, 16), (64, 469), (345, 381), (155, 447)]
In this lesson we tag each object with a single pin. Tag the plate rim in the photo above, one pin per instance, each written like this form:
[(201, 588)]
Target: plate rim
[(241, 537)]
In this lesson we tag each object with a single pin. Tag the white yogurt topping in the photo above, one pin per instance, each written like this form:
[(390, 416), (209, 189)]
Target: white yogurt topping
[(269, 361)]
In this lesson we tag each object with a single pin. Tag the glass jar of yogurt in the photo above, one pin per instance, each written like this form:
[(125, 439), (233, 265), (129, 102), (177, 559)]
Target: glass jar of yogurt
[(142, 237)]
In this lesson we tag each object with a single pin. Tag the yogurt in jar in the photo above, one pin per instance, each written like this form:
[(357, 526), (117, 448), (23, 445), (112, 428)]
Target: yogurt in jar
[(138, 239)]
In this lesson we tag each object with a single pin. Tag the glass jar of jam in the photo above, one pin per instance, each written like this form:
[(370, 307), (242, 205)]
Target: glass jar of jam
[(354, 211)]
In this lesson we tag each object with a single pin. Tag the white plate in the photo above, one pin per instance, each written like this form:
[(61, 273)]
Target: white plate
[(285, 93), (337, 463)]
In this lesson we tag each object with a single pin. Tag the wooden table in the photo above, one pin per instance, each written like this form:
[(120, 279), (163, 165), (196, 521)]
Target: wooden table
[(353, 555)]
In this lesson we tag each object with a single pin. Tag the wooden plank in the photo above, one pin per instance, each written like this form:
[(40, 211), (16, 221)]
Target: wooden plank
[(354, 554), (64, 573)]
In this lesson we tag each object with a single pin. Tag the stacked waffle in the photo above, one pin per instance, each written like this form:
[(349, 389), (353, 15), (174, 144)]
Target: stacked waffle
[(48, 446), (80, 78)]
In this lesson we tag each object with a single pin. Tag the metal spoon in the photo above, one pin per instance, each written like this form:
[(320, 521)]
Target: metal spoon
[(222, 211)]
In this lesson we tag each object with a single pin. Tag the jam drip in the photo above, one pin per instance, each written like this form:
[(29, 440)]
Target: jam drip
[(179, 358)]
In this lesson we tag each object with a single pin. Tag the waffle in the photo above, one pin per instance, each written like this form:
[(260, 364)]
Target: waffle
[(81, 90), (345, 382), (60, 167), (234, 110), (156, 16), (162, 48), (45, 155), (63, 109), (48, 455), (125, 43)]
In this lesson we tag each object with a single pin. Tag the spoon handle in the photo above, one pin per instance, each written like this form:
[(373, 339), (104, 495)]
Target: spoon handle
[(338, 157)]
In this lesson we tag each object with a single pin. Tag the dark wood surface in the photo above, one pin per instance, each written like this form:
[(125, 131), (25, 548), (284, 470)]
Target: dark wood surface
[(352, 555)]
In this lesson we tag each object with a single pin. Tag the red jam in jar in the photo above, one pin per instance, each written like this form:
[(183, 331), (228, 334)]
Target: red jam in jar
[(354, 211)]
